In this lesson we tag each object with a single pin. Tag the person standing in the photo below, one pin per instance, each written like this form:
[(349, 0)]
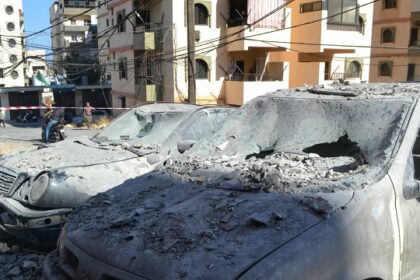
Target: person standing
[(2, 116), (87, 114)]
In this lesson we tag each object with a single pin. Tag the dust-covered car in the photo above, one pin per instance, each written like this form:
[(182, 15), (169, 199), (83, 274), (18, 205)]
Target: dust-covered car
[(39, 188), (302, 184)]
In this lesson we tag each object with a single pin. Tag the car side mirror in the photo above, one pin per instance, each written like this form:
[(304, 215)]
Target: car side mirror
[(185, 145), (411, 189)]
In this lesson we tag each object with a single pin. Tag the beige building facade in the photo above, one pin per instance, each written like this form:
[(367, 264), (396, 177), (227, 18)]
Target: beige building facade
[(241, 52), (74, 26), (396, 41)]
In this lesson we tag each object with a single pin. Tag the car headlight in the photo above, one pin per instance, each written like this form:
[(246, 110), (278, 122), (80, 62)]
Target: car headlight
[(39, 186)]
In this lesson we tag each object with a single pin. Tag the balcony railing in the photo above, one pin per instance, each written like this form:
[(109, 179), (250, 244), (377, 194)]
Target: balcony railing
[(254, 77), (414, 43), (79, 4), (343, 76)]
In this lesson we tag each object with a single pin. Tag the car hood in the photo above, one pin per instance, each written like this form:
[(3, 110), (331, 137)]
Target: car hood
[(159, 227), (68, 153)]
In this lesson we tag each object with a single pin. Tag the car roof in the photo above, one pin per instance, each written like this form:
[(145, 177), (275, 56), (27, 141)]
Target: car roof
[(166, 107), (351, 91)]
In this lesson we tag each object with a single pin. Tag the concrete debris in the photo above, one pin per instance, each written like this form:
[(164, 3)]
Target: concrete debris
[(278, 172), (24, 265)]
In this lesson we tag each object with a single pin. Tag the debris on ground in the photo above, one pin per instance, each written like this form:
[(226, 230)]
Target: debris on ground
[(18, 264)]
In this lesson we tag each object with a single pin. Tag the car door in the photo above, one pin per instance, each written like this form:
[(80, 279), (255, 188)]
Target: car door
[(405, 175)]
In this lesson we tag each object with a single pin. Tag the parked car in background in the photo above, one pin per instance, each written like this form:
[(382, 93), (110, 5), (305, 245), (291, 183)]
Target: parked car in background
[(96, 116), (40, 188), (305, 184)]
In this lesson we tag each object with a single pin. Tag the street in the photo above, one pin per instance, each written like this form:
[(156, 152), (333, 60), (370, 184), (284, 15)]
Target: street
[(17, 137)]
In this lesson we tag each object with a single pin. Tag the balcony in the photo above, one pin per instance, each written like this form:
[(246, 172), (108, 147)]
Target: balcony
[(258, 37), (415, 6), (343, 76), (242, 87), (76, 28), (79, 4), (147, 91), (148, 37)]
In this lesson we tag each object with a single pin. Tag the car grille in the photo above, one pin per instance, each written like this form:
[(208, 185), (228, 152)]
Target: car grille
[(7, 178)]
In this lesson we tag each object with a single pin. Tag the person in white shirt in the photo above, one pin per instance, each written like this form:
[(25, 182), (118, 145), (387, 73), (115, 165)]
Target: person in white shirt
[(2, 113)]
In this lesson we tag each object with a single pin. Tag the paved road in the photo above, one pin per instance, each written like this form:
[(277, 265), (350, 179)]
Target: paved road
[(32, 132), (19, 137)]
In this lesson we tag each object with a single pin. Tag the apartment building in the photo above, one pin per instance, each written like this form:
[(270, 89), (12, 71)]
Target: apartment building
[(74, 39), (244, 48), (11, 43), (34, 63), (11, 48), (395, 41)]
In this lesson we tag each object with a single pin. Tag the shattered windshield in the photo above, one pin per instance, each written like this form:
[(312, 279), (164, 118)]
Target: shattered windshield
[(144, 126), (290, 144)]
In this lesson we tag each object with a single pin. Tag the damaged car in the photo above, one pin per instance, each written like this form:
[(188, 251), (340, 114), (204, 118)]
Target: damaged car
[(40, 188), (300, 184)]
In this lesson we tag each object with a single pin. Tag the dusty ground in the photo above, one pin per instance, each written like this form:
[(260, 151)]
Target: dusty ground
[(10, 146)]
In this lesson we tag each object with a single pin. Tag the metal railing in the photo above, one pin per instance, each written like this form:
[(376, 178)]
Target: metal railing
[(414, 43), (254, 77), (79, 4), (343, 76)]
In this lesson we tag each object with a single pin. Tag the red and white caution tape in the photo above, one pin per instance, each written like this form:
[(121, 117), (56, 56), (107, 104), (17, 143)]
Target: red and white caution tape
[(14, 108)]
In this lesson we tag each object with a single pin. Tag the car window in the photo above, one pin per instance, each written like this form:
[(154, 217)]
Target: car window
[(197, 126), (126, 125)]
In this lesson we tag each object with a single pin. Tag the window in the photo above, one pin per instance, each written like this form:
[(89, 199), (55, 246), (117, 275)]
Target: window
[(1, 73), (10, 26), (143, 18), (74, 38), (107, 22), (390, 4), (121, 21), (202, 69), (385, 69), (354, 70), (361, 25), (73, 22), (311, 7), (343, 12), (201, 15), (122, 67), (12, 43), (9, 10), (15, 75), (13, 58), (1, 40), (108, 44), (87, 22), (388, 35)]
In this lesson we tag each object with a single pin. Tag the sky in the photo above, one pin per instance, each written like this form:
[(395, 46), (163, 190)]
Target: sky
[(36, 18)]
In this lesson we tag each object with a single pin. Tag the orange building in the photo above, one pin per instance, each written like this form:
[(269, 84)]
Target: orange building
[(395, 41)]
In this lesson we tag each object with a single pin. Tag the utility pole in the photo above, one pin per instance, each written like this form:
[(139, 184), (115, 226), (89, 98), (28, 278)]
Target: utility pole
[(191, 52)]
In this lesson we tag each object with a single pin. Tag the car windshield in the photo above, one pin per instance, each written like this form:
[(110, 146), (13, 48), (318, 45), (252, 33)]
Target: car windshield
[(287, 143), (149, 124)]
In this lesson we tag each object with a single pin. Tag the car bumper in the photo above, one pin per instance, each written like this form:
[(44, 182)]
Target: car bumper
[(41, 227), (50, 268), (78, 264)]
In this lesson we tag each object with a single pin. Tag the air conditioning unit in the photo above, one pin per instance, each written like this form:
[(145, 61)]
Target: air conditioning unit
[(197, 36)]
